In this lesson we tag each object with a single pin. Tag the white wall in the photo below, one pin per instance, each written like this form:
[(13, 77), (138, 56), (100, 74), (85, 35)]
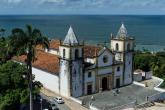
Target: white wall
[(67, 52), (64, 78), (48, 80), (89, 80), (120, 43), (118, 73), (105, 71), (128, 69), (90, 60), (137, 77), (110, 59), (148, 75), (52, 51)]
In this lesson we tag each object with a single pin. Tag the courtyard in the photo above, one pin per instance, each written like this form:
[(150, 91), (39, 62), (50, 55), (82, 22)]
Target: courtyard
[(111, 99)]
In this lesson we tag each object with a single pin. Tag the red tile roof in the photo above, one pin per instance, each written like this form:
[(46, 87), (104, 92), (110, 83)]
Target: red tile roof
[(54, 44), (44, 61), (91, 51)]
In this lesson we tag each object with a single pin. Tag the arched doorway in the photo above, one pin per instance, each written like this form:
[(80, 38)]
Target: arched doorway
[(104, 84)]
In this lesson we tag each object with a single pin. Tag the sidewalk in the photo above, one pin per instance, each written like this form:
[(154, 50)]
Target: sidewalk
[(71, 104)]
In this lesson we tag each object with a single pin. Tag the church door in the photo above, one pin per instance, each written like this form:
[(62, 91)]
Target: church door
[(117, 82), (89, 89), (104, 84)]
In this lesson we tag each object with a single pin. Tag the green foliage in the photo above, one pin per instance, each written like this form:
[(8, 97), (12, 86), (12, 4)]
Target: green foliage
[(143, 61), (147, 61), (13, 86)]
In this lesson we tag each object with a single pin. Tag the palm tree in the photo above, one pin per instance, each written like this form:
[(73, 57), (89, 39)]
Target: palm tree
[(5, 52), (25, 41)]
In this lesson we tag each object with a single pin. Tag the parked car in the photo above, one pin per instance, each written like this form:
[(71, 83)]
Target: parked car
[(54, 107), (59, 100), (38, 97)]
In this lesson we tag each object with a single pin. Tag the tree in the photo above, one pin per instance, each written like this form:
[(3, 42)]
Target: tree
[(5, 51), (25, 41), (12, 85)]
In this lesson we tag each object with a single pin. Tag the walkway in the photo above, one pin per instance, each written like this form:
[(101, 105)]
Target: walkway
[(71, 104)]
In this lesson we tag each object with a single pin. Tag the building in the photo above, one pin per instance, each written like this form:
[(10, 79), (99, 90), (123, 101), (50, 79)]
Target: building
[(71, 68)]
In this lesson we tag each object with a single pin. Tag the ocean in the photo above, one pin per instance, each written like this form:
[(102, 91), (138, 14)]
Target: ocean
[(148, 30)]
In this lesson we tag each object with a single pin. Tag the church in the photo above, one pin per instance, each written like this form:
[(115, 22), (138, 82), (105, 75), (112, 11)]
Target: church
[(71, 68)]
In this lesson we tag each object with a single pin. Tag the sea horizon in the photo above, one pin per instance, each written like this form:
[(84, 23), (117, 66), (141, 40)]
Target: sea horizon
[(148, 30)]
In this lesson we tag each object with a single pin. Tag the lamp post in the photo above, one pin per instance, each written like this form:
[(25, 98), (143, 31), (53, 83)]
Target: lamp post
[(41, 103)]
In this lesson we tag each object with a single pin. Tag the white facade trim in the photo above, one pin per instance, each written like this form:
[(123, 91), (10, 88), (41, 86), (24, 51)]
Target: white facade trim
[(139, 84), (76, 100)]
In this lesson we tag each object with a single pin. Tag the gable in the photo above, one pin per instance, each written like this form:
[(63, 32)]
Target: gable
[(105, 58)]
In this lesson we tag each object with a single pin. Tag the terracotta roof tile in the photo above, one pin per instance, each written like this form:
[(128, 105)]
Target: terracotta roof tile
[(54, 44), (44, 61), (91, 51)]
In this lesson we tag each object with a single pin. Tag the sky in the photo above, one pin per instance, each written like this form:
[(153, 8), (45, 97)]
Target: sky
[(122, 7)]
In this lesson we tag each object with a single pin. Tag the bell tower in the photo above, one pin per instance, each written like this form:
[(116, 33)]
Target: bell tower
[(71, 66), (123, 47)]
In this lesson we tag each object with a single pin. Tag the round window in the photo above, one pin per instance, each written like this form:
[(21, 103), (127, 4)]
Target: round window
[(105, 59)]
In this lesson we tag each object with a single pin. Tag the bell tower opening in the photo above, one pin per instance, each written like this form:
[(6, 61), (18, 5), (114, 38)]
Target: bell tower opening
[(63, 53), (128, 47), (117, 46), (76, 54)]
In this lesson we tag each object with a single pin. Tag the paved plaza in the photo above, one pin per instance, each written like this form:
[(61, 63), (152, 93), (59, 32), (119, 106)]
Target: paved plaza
[(127, 94), (151, 83)]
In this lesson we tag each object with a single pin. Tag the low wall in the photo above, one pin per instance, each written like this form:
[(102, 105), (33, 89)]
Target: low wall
[(156, 97), (91, 107), (122, 107), (139, 84), (157, 87), (156, 78), (126, 106), (76, 100)]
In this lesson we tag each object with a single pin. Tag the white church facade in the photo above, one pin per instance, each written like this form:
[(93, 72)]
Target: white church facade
[(71, 68)]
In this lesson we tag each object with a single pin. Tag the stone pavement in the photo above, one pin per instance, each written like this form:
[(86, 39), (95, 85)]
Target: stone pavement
[(71, 104), (127, 94), (157, 106), (151, 83)]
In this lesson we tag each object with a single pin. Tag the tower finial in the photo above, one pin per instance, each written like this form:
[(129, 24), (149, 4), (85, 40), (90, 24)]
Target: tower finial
[(122, 33), (70, 38)]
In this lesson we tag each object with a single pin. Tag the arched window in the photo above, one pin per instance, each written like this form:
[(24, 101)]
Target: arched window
[(117, 46), (118, 68), (76, 53), (128, 46), (63, 53)]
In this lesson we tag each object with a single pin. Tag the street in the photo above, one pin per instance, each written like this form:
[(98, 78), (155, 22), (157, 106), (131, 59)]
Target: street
[(51, 100)]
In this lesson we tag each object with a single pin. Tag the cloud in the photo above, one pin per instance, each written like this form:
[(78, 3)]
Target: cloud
[(13, 1), (81, 6)]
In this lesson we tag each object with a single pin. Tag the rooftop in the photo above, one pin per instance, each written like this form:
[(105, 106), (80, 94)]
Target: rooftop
[(91, 51), (44, 61), (54, 44)]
